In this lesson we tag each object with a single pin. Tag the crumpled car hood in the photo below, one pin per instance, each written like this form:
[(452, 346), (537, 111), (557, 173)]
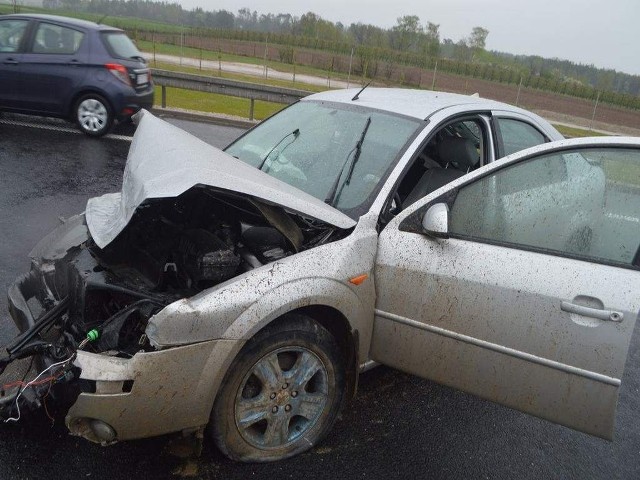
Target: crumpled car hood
[(165, 161)]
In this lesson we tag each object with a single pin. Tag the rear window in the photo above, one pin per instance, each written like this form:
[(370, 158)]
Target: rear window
[(517, 135), (55, 39), (121, 46)]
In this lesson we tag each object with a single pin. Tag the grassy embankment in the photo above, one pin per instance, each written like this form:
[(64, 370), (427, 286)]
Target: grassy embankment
[(575, 132), (221, 103)]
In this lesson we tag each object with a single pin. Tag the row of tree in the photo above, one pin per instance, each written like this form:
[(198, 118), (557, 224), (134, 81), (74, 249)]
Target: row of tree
[(411, 40)]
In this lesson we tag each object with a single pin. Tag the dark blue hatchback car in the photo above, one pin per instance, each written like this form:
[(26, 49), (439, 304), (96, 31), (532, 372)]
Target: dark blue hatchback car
[(87, 73)]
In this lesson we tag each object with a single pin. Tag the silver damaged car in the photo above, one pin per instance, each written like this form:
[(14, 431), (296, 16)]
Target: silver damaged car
[(246, 289)]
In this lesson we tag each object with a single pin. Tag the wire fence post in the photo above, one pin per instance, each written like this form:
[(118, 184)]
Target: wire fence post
[(153, 41), (594, 111), (519, 88), (435, 71), (293, 60), (251, 108), (266, 48), (350, 63), (164, 96), (181, 42)]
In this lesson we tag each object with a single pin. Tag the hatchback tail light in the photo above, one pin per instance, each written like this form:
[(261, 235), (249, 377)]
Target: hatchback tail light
[(120, 72)]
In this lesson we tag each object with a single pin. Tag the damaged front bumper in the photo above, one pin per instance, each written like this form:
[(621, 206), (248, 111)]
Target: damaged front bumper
[(111, 398), (149, 394)]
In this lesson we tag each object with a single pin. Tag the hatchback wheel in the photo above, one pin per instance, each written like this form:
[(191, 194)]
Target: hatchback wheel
[(281, 395), (93, 115)]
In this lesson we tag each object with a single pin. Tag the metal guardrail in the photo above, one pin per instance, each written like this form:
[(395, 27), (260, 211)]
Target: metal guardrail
[(235, 88)]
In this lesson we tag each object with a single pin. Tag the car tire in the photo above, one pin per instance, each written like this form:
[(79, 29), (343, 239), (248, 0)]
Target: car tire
[(93, 114), (282, 393)]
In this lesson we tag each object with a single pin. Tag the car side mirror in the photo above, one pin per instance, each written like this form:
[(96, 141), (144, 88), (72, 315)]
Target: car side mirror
[(435, 222)]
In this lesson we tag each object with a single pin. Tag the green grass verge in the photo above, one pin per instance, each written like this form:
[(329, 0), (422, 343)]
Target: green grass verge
[(573, 132), (236, 76), (176, 50), (214, 103)]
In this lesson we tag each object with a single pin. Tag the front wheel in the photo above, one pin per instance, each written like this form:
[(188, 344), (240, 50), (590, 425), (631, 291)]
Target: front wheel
[(281, 395), (93, 115)]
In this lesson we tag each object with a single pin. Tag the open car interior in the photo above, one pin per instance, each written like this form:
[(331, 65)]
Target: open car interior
[(454, 150)]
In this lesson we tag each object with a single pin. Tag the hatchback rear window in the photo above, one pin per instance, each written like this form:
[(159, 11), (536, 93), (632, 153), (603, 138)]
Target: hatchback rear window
[(121, 46)]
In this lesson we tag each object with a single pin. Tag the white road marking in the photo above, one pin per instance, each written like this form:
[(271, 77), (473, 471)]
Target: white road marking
[(59, 128)]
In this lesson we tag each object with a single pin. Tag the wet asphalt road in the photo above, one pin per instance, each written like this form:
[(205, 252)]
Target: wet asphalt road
[(398, 426)]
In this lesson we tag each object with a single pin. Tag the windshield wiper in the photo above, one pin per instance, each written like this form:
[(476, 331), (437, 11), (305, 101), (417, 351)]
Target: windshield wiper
[(138, 57), (295, 134), (334, 194)]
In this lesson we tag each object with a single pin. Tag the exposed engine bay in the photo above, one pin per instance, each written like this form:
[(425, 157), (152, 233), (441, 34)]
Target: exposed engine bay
[(100, 299)]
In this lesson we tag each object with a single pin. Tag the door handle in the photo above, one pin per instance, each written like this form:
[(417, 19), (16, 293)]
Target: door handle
[(74, 63), (606, 315), (10, 61)]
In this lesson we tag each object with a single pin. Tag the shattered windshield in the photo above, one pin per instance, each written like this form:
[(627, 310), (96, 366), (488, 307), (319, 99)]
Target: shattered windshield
[(312, 146)]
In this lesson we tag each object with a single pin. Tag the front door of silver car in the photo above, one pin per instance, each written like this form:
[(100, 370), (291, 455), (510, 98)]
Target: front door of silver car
[(519, 283)]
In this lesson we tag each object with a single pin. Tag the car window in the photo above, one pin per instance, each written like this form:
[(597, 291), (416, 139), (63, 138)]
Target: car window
[(119, 45), (517, 135), (11, 33), (582, 203), (545, 172), (313, 146), (55, 39)]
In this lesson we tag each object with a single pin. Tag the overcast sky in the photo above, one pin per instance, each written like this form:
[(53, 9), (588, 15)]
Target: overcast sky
[(605, 33)]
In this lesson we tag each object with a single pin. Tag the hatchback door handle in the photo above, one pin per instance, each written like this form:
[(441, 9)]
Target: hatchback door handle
[(606, 315), (10, 61)]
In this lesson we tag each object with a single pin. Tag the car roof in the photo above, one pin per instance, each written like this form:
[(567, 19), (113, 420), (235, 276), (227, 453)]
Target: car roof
[(413, 103), (76, 22)]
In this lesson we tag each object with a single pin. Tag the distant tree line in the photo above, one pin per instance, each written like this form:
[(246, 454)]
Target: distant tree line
[(409, 42)]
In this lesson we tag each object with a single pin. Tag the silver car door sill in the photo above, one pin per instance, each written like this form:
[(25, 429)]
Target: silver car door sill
[(502, 349)]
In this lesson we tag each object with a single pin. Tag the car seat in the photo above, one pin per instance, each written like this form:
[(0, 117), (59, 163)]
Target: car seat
[(460, 155)]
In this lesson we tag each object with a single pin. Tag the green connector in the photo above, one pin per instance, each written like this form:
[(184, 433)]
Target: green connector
[(93, 335)]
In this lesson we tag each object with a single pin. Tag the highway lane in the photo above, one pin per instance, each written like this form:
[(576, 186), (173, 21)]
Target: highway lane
[(398, 426)]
